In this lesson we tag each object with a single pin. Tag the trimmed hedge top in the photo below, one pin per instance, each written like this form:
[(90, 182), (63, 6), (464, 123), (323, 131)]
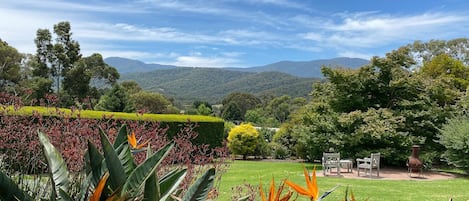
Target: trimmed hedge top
[(91, 114)]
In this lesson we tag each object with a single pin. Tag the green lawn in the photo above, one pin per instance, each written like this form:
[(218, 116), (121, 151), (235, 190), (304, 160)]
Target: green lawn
[(251, 172)]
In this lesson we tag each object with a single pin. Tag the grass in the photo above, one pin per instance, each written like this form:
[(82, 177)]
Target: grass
[(251, 172)]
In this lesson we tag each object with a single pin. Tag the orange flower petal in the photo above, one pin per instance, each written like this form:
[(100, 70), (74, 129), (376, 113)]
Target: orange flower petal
[(99, 188), (132, 140), (297, 188), (143, 144), (272, 190), (287, 196), (261, 191), (279, 191), (313, 188)]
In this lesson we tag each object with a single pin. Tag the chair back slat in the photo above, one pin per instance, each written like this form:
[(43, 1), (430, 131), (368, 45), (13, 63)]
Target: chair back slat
[(375, 159)]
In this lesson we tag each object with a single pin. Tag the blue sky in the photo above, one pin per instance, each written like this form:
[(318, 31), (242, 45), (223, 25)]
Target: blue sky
[(236, 33)]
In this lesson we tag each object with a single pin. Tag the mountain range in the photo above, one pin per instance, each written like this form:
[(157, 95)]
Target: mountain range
[(310, 69), (188, 84)]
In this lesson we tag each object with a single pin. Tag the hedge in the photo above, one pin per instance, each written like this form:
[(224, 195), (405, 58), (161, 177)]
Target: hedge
[(210, 129)]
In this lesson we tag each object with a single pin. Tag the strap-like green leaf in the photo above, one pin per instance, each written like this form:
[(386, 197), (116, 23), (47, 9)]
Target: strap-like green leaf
[(64, 195), (138, 177), (57, 166), (170, 182), (151, 191), (96, 163), (117, 174), (121, 136), (327, 193), (199, 190), (245, 198), (10, 191), (126, 158)]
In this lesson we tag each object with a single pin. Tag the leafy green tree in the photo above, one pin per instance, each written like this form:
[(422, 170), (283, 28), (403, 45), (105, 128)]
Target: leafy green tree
[(382, 106), (204, 110), (151, 102), (116, 100), (446, 67), (256, 116), (60, 56), (197, 103), (425, 51), (77, 81), (231, 112), (36, 88), (44, 45), (100, 71), (131, 86), (243, 140), (454, 137), (243, 101), (10, 61), (280, 108), (75, 78)]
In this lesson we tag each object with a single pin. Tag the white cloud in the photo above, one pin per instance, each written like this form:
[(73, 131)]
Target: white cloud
[(355, 55), (312, 36), (367, 31), (199, 61), (60, 5), (376, 30), (282, 3)]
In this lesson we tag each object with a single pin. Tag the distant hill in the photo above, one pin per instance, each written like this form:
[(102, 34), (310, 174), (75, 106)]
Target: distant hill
[(306, 68), (212, 84), (187, 84), (296, 68), (124, 65)]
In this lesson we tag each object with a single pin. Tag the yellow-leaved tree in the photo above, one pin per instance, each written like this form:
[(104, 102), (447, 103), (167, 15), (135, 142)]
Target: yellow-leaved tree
[(243, 139)]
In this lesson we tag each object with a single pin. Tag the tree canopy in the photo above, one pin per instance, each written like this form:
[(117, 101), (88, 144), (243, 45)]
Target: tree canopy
[(385, 107)]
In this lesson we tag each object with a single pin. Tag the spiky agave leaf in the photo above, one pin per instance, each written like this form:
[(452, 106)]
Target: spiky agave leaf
[(199, 190), (57, 167)]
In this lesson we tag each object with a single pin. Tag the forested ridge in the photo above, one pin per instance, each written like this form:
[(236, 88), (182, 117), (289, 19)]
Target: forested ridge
[(211, 84)]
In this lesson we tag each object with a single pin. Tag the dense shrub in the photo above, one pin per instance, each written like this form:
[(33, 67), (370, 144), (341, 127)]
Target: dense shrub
[(454, 136), (279, 151), (243, 140)]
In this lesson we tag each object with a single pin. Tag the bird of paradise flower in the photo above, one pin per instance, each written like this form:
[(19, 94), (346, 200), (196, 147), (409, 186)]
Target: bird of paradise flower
[(133, 142), (272, 196), (312, 190)]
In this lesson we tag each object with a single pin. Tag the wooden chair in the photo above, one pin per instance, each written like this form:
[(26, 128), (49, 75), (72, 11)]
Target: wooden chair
[(329, 161), (368, 164)]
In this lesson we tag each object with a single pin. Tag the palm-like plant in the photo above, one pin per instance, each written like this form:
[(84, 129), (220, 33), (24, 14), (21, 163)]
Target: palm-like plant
[(113, 175)]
